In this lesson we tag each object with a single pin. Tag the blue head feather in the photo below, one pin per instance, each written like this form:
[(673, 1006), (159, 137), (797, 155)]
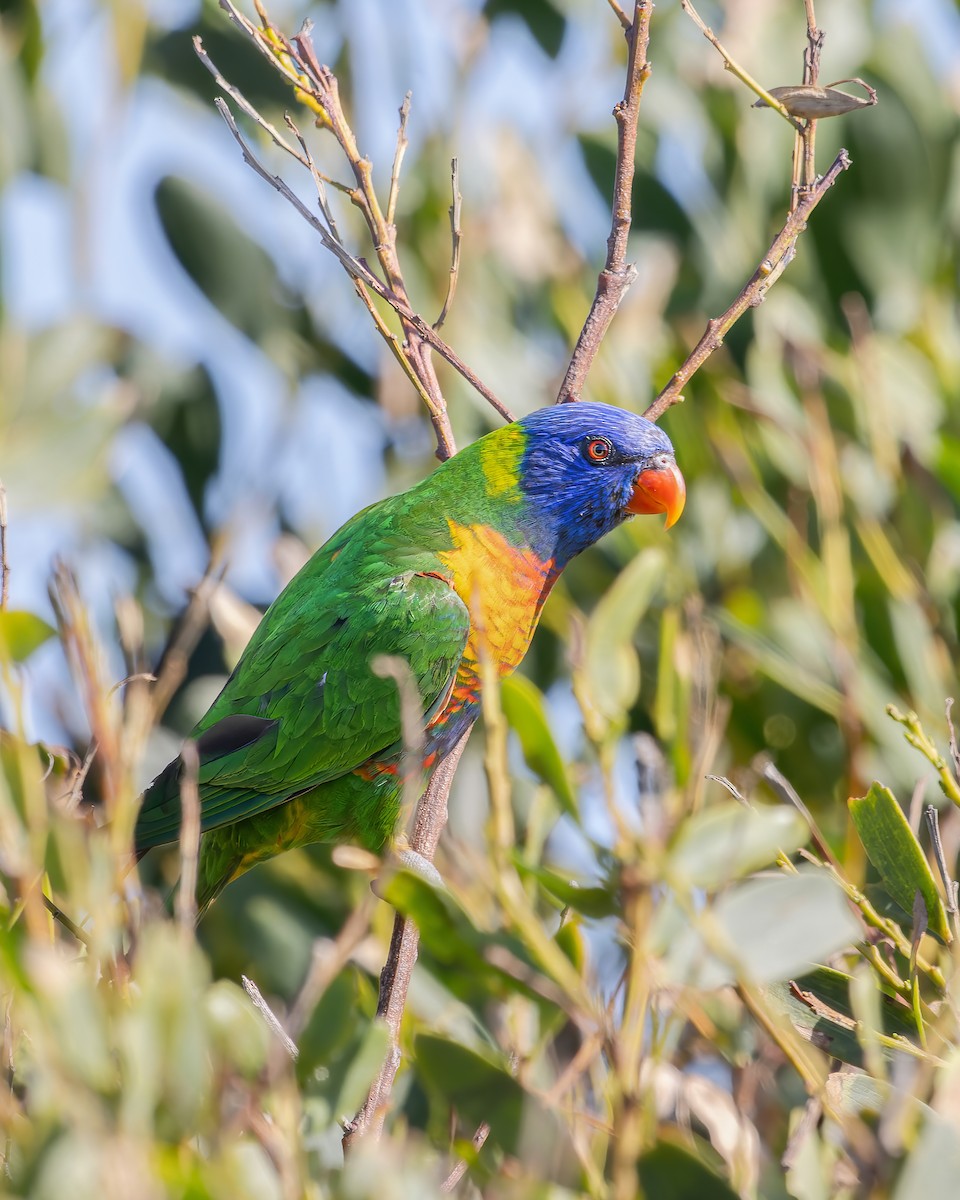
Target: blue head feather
[(572, 502)]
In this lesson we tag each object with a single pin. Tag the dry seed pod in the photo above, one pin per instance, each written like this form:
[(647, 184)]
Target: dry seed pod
[(814, 103)]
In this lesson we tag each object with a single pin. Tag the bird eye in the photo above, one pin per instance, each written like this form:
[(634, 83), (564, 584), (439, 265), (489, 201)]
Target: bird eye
[(598, 449)]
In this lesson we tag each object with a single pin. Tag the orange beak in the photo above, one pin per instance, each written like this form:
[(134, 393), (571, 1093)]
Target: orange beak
[(660, 489)]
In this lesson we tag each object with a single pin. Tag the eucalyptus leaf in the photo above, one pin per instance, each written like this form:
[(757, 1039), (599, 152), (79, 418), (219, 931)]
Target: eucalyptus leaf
[(764, 930), (730, 840), (481, 1088), (818, 1003), (592, 900), (893, 848), (525, 711), (612, 663), (21, 633)]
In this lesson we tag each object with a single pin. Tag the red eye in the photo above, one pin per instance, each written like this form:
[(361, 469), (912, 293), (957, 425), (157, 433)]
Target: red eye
[(598, 450)]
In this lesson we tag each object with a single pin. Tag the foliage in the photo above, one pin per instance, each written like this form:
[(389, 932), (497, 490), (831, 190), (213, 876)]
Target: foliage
[(632, 980)]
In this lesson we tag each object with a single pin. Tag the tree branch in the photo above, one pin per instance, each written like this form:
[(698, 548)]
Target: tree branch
[(617, 274), (316, 86), (397, 971), (781, 252)]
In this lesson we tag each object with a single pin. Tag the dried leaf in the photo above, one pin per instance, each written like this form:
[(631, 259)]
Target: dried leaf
[(814, 103)]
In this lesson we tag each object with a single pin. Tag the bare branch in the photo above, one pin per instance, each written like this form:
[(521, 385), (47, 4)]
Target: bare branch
[(189, 837), (735, 69), (458, 1172), (617, 275), (401, 959), (4, 565), (270, 1017), (416, 329), (172, 667), (244, 104), (320, 181), (781, 252), (804, 152), (400, 151), (621, 15), (455, 240)]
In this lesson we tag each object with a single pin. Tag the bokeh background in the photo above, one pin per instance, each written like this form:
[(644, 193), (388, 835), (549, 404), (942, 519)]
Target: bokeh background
[(182, 365)]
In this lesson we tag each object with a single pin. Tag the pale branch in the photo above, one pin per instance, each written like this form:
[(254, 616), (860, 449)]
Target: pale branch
[(186, 904), (431, 816), (320, 181), (174, 658), (460, 1168), (420, 337), (400, 151), (620, 14), (455, 240), (271, 1018), (4, 565), (617, 274), (735, 69), (329, 959), (245, 106), (805, 141), (781, 251)]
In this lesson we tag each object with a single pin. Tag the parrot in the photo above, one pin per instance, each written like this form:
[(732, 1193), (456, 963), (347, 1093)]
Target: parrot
[(305, 742)]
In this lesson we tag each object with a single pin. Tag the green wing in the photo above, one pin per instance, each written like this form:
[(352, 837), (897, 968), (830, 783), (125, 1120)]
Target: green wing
[(303, 705)]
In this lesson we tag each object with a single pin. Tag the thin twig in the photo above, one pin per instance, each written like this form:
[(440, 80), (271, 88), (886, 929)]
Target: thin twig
[(786, 791), (400, 151), (460, 1169), (950, 886), (358, 270), (617, 274), (455, 237), (71, 926), (398, 968), (329, 959), (189, 837), (621, 15), (244, 104), (781, 252), (269, 1016), (4, 565), (954, 750), (734, 67), (320, 181), (807, 139)]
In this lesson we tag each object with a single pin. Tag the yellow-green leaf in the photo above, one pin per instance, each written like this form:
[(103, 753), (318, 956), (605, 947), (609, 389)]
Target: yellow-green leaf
[(892, 847), (524, 708), (21, 633)]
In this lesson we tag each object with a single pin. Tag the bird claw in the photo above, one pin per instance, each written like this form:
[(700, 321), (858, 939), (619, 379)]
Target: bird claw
[(408, 860)]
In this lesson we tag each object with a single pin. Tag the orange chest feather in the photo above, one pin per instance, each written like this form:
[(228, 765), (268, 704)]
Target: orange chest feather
[(504, 588)]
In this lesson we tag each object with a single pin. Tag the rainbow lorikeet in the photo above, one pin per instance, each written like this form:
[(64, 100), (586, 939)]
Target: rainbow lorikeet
[(304, 743)]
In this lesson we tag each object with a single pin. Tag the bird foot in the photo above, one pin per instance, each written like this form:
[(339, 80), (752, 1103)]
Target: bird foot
[(409, 860)]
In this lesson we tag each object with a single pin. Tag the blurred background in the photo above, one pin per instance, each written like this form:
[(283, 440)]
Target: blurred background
[(182, 365)]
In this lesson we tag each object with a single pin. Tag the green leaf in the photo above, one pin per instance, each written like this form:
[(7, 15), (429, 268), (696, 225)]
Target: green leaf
[(481, 1088), (21, 633), (933, 1165), (670, 1172), (818, 1003), (524, 708), (892, 847), (454, 942), (611, 661), (764, 930), (729, 840), (363, 1066), (592, 900)]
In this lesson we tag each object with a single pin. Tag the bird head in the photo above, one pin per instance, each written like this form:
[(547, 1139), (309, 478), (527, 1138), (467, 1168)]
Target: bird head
[(586, 467)]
